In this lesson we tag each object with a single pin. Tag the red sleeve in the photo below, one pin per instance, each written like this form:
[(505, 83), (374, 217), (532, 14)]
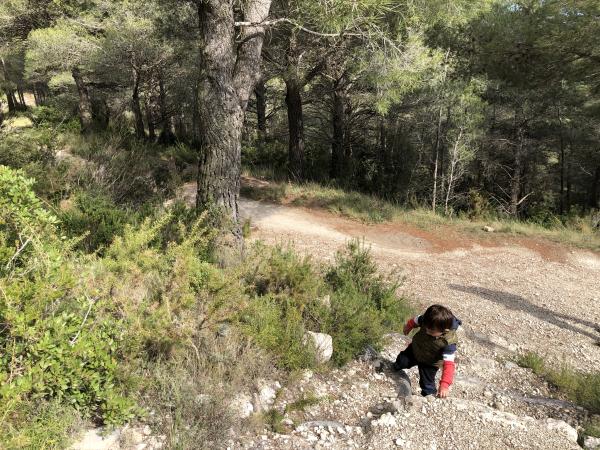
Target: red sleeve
[(408, 327), (447, 373)]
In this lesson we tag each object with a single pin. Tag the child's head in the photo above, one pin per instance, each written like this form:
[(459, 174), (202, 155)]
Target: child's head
[(436, 320)]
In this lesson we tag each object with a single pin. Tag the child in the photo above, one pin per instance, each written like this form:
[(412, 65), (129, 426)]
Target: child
[(432, 347)]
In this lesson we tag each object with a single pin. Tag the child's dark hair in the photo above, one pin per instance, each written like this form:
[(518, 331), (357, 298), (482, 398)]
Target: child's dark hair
[(437, 317)]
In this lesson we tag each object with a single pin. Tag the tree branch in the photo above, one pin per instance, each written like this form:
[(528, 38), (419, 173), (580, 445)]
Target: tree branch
[(268, 23)]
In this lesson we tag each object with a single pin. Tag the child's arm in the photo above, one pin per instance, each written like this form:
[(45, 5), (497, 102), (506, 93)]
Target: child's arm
[(412, 323), (448, 369)]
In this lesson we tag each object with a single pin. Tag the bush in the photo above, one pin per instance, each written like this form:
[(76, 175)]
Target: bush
[(51, 345), (363, 305), (97, 218), (38, 425), (287, 298), (191, 393)]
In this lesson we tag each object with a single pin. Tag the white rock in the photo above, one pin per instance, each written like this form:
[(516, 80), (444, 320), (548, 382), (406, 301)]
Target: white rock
[(386, 420), (591, 443), (93, 440), (562, 427), (242, 406), (400, 442), (323, 344)]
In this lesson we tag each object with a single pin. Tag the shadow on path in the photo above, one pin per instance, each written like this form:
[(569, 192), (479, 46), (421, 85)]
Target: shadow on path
[(519, 303)]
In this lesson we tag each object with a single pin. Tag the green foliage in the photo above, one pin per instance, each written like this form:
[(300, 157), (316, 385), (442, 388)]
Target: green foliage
[(363, 305), (47, 339), (191, 392), (97, 218), (289, 296), (38, 425)]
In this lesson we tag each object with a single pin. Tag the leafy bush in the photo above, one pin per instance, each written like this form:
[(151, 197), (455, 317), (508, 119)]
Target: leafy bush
[(363, 305), (97, 218), (75, 325), (51, 344), (39, 425), (288, 297)]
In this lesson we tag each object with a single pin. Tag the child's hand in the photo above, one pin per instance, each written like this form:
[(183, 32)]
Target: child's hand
[(443, 392)]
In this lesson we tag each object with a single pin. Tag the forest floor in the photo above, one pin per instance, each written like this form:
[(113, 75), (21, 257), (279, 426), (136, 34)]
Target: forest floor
[(512, 294)]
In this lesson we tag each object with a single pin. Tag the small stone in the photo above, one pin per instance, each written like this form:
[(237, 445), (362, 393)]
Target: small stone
[(323, 344), (488, 229), (562, 427), (400, 442), (591, 443)]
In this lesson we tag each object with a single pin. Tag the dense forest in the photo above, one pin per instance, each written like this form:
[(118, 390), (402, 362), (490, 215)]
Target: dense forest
[(121, 302), (456, 105)]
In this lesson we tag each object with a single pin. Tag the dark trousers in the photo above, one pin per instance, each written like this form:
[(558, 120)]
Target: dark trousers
[(406, 360)]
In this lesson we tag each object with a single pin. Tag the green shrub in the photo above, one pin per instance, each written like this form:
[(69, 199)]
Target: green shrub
[(53, 344), (363, 305), (96, 217), (276, 325), (38, 425), (287, 298)]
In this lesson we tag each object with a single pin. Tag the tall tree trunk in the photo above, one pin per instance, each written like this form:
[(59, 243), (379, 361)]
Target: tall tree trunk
[(438, 137), (436, 159), (10, 96), (261, 107), (515, 181), (568, 176), (140, 132), (338, 116), (85, 105), (166, 132), (595, 190), (150, 122), (21, 97), (230, 76), (562, 162), (36, 96), (296, 156)]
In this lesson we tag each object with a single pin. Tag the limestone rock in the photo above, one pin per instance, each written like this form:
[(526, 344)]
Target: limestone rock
[(242, 406), (562, 427), (95, 440), (323, 344), (591, 443)]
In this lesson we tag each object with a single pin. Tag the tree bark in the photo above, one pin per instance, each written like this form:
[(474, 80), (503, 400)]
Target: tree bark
[(515, 181), (85, 104), (21, 97), (293, 101), (339, 131), (561, 157), (150, 121), (230, 76), (166, 132), (595, 190), (10, 96), (140, 132), (261, 107)]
